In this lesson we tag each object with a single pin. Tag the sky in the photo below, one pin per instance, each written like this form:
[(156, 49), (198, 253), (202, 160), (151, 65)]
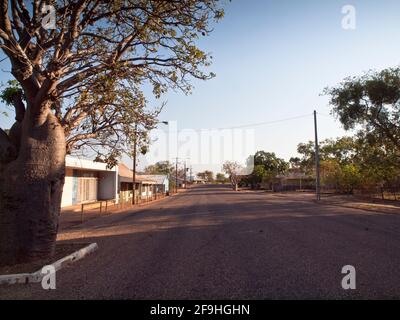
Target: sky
[(273, 58)]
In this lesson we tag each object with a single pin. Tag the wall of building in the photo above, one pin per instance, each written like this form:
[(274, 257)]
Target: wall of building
[(68, 189), (166, 185), (99, 185)]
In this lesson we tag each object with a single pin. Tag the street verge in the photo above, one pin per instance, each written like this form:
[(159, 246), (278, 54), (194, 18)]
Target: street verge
[(35, 277)]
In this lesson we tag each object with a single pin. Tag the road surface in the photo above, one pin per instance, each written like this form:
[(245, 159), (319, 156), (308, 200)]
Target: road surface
[(212, 243)]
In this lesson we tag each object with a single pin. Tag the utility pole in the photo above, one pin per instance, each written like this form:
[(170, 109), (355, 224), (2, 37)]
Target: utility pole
[(317, 166), (134, 160), (176, 175), (186, 170), (185, 173), (134, 165)]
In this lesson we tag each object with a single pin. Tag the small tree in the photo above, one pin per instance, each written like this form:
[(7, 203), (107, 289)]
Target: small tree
[(221, 178), (206, 175), (233, 170)]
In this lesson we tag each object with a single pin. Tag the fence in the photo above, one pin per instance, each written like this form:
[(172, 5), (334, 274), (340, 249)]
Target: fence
[(381, 193), (103, 206), (388, 192), (97, 208)]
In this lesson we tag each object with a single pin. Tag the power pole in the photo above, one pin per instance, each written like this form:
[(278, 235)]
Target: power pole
[(185, 173), (176, 175), (134, 166), (317, 166)]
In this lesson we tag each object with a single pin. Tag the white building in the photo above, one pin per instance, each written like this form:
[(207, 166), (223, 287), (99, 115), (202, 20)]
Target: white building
[(161, 182), (88, 181)]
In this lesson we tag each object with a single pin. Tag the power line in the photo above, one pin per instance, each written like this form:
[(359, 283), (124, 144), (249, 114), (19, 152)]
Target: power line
[(325, 115), (257, 124), (267, 122)]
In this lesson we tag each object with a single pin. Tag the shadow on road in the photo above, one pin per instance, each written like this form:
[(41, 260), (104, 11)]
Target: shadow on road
[(211, 243)]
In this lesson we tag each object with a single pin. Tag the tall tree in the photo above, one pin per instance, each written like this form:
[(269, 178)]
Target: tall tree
[(379, 162), (81, 83), (371, 103)]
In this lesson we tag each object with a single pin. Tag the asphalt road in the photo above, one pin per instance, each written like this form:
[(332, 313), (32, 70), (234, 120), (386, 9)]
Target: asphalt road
[(213, 243)]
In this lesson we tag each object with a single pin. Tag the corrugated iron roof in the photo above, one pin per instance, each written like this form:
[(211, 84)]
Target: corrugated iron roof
[(158, 178)]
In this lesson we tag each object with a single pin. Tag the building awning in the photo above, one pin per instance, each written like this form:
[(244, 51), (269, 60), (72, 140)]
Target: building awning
[(126, 175)]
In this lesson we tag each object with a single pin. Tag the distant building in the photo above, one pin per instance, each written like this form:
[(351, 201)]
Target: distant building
[(162, 182), (144, 186), (199, 181), (181, 182), (294, 180)]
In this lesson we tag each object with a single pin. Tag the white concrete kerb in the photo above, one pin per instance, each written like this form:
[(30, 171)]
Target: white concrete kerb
[(37, 276)]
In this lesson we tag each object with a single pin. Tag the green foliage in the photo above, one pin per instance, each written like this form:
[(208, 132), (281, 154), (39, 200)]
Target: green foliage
[(270, 162), (341, 149), (8, 93), (259, 173), (266, 167), (350, 178), (348, 163), (221, 178), (206, 175), (379, 162), (144, 149), (343, 178), (295, 162), (162, 167), (370, 103)]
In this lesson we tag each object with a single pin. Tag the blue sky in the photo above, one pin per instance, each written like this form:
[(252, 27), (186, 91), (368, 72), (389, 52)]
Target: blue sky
[(274, 58)]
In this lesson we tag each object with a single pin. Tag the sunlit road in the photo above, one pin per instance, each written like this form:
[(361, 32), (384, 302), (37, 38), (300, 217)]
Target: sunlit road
[(213, 243)]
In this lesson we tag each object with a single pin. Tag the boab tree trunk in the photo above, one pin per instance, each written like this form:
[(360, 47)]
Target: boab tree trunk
[(32, 170)]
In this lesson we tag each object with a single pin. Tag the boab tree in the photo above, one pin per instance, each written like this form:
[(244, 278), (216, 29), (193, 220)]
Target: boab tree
[(79, 85)]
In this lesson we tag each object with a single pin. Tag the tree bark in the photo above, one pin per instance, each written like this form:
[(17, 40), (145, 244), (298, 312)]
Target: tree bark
[(31, 188)]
